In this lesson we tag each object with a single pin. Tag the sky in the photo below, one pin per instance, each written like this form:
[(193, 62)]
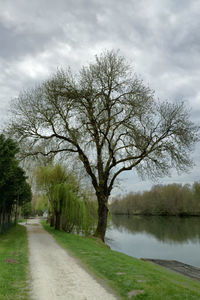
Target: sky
[(159, 38)]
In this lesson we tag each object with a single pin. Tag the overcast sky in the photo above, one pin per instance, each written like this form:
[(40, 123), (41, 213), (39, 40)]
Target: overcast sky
[(160, 38)]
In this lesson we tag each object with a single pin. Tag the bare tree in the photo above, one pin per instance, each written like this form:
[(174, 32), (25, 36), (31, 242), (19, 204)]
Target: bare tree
[(107, 118)]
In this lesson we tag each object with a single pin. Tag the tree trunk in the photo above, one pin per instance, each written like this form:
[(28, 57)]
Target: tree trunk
[(51, 220), (102, 219), (16, 213), (58, 221)]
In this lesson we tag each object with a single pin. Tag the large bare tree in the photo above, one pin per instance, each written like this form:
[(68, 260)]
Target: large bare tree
[(107, 118)]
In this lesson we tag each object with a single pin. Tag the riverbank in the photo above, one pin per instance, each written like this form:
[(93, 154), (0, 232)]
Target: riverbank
[(128, 276), (138, 214), (177, 266), (13, 264)]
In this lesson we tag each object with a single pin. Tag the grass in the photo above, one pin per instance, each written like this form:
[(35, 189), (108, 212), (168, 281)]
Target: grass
[(21, 220), (13, 264), (124, 273)]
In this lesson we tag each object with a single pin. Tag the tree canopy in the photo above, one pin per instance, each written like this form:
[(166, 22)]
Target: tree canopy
[(14, 190), (66, 208), (109, 119)]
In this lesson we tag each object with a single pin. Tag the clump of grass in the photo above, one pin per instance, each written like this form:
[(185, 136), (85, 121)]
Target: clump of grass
[(131, 278), (13, 264)]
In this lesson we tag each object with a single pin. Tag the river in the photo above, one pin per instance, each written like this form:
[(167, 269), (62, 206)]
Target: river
[(173, 238)]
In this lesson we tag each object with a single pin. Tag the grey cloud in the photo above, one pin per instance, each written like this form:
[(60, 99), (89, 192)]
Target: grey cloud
[(160, 38), (16, 45)]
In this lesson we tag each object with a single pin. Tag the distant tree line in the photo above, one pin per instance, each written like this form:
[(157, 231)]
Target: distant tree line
[(60, 194), (166, 200), (15, 192)]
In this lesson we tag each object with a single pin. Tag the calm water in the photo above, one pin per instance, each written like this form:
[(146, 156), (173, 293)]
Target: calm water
[(171, 238)]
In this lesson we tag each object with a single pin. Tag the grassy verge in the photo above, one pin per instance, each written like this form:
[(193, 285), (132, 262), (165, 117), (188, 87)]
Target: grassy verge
[(13, 264), (126, 274), (21, 220)]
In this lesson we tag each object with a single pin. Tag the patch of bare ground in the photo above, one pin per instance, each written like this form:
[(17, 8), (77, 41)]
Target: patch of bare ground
[(57, 275)]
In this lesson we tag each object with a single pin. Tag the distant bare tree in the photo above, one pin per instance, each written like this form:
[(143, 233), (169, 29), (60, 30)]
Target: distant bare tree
[(109, 120)]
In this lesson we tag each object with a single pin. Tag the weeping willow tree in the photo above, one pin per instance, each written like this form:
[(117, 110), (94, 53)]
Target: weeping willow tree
[(41, 203), (66, 208), (72, 212), (47, 177)]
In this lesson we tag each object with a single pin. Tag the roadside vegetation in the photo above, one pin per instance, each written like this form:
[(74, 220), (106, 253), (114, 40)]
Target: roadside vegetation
[(13, 264), (15, 192), (127, 275), (164, 200), (60, 194)]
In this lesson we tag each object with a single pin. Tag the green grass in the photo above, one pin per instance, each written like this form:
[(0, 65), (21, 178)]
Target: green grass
[(13, 264), (21, 220), (124, 273)]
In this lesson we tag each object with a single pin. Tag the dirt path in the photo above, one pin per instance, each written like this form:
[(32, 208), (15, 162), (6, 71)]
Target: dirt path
[(57, 275)]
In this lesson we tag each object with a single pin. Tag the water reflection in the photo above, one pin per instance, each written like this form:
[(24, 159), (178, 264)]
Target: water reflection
[(172, 238), (165, 229)]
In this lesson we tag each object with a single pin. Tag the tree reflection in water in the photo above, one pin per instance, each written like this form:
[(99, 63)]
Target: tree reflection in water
[(166, 229)]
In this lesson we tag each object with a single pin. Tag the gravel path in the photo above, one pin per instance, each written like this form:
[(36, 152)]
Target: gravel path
[(57, 275)]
